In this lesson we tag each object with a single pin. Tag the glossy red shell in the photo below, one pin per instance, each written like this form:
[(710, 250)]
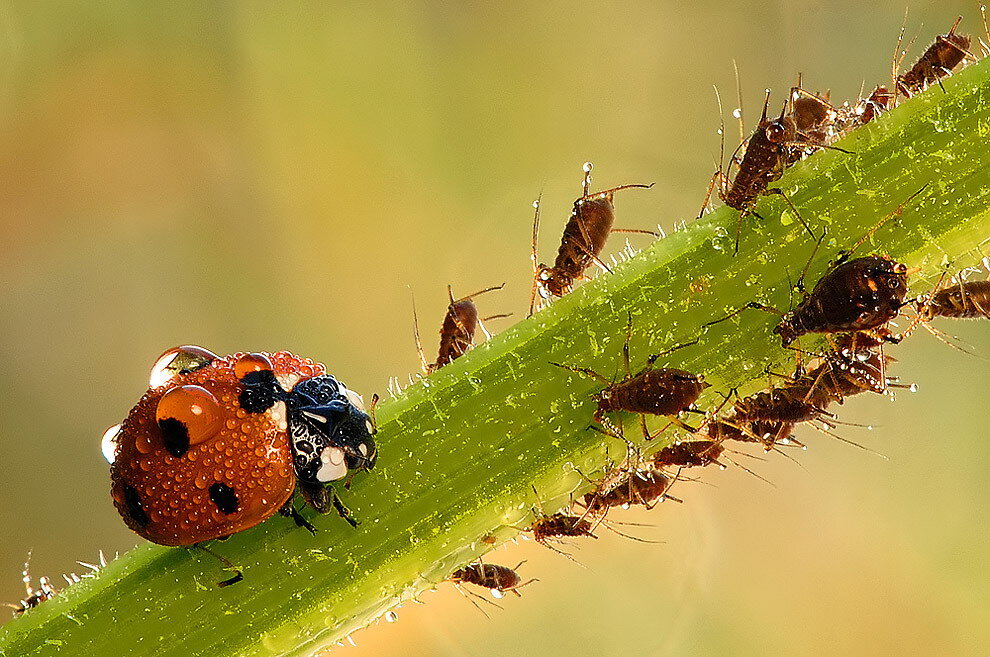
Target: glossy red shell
[(245, 462)]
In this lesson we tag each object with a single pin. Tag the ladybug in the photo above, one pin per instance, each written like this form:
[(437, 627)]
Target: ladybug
[(218, 444)]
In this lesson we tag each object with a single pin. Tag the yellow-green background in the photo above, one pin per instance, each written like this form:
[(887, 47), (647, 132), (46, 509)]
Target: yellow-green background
[(255, 178)]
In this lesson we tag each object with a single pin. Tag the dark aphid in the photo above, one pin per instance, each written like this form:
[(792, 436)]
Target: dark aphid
[(33, 596), (582, 243), (965, 300), (498, 579), (663, 391), (763, 162), (881, 99), (558, 525), (628, 486), (948, 52), (855, 295), (457, 331), (689, 454)]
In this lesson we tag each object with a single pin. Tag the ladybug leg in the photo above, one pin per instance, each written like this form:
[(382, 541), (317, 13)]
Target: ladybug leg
[(323, 498), (289, 511)]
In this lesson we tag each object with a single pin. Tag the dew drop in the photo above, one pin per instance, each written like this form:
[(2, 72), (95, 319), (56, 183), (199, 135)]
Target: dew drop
[(737, 113), (391, 616), (109, 443), (180, 360), (588, 166)]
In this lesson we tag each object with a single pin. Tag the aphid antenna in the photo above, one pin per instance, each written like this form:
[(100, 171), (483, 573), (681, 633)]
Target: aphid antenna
[(896, 212), (457, 321), (450, 294), (227, 564), (752, 304), (585, 371), (747, 470), (739, 102), (985, 44), (898, 58), (653, 358), (832, 434)]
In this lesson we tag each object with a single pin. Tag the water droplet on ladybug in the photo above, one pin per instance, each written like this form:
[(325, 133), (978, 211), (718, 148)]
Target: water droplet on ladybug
[(188, 415), (180, 360), (109, 443), (251, 363)]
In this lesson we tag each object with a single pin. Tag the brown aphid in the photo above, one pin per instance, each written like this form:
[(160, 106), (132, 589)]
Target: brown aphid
[(862, 294), (965, 300), (689, 454), (814, 120), (946, 53), (557, 525), (34, 596), (763, 162), (498, 579), (457, 331), (628, 486), (665, 391), (881, 99), (584, 238)]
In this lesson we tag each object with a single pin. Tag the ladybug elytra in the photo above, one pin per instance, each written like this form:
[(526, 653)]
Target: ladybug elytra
[(219, 444)]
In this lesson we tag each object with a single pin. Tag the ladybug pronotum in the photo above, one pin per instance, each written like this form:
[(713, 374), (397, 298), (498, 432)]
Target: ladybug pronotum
[(219, 444)]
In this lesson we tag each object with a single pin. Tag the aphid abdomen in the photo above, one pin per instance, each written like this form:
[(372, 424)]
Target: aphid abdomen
[(689, 454), (662, 391), (585, 235), (965, 301), (457, 331)]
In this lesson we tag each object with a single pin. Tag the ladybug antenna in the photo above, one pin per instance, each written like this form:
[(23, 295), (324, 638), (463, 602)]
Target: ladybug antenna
[(227, 564)]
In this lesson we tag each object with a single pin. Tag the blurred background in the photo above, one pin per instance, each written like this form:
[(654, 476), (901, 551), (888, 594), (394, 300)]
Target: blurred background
[(245, 178)]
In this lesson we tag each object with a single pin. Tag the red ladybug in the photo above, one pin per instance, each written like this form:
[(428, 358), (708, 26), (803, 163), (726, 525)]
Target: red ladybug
[(220, 444)]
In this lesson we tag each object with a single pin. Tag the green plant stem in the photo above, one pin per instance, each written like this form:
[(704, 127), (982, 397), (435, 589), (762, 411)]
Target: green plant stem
[(461, 450)]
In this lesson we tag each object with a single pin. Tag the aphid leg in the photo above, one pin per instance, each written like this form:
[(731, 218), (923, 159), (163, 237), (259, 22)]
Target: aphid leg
[(424, 365), (481, 323), (718, 178), (985, 44), (457, 321), (515, 589), (288, 510), (896, 212), (537, 268), (227, 564), (797, 214)]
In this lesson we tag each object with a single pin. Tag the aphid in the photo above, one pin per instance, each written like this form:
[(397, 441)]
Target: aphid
[(557, 525), (651, 391), (627, 486), (689, 454), (965, 300), (948, 52), (582, 243), (763, 162), (814, 118), (863, 294), (34, 596), (457, 331), (498, 579), (219, 444), (881, 99)]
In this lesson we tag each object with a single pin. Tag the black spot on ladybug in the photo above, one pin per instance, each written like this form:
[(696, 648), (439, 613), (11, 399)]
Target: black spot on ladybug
[(261, 391), (304, 446), (224, 497), (175, 435), (135, 509)]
